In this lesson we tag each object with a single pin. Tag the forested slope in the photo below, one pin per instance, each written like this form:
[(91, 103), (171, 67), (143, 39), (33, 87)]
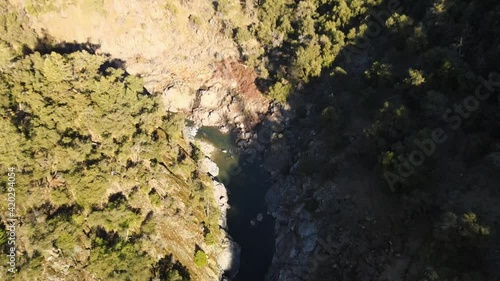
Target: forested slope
[(393, 135), (107, 188), (405, 93)]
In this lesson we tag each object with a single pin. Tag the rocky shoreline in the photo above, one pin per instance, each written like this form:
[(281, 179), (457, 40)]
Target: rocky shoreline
[(229, 252), (273, 143), (264, 133)]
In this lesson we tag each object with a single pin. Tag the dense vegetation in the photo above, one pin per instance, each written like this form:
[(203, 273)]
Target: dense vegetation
[(99, 168), (419, 72)]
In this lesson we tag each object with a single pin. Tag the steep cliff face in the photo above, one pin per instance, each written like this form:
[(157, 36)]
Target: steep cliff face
[(165, 42), (184, 50)]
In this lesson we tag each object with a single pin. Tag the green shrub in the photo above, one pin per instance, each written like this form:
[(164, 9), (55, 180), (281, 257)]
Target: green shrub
[(280, 91), (66, 242), (196, 20), (37, 8), (200, 258), (416, 77), (210, 238), (155, 198), (174, 275), (224, 6), (308, 62)]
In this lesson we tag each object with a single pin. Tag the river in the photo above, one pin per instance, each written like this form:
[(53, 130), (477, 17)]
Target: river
[(247, 184)]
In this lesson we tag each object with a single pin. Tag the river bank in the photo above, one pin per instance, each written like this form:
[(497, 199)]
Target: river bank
[(267, 216), (247, 221)]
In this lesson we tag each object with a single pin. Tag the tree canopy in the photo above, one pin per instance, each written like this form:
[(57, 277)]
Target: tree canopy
[(94, 154)]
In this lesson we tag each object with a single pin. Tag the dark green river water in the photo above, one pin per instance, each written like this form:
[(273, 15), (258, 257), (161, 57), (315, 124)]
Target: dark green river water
[(247, 184)]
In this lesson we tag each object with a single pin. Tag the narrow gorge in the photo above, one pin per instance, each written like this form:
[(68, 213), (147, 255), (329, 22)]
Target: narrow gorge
[(252, 140)]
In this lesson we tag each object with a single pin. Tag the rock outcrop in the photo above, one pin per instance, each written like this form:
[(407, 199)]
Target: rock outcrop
[(229, 258), (227, 99), (220, 196), (184, 52), (209, 166)]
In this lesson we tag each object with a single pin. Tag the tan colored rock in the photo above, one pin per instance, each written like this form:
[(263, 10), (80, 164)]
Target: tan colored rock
[(178, 99), (157, 39), (211, 98), (229, 258), (209, 166), (207, 148), (213, 119), (220, 196)]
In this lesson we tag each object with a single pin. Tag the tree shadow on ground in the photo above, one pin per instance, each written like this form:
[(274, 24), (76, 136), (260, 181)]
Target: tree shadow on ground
[(47, 44)]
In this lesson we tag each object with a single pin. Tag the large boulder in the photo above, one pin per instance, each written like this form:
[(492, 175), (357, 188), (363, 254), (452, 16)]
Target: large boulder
[(209, 166), (220, 196), (307, 231), (211, 98), (178, 99), (229, 257)]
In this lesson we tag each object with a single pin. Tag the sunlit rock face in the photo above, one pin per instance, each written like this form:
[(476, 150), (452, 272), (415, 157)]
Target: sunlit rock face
[(165, 42), (181, 50), (228, 259)]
